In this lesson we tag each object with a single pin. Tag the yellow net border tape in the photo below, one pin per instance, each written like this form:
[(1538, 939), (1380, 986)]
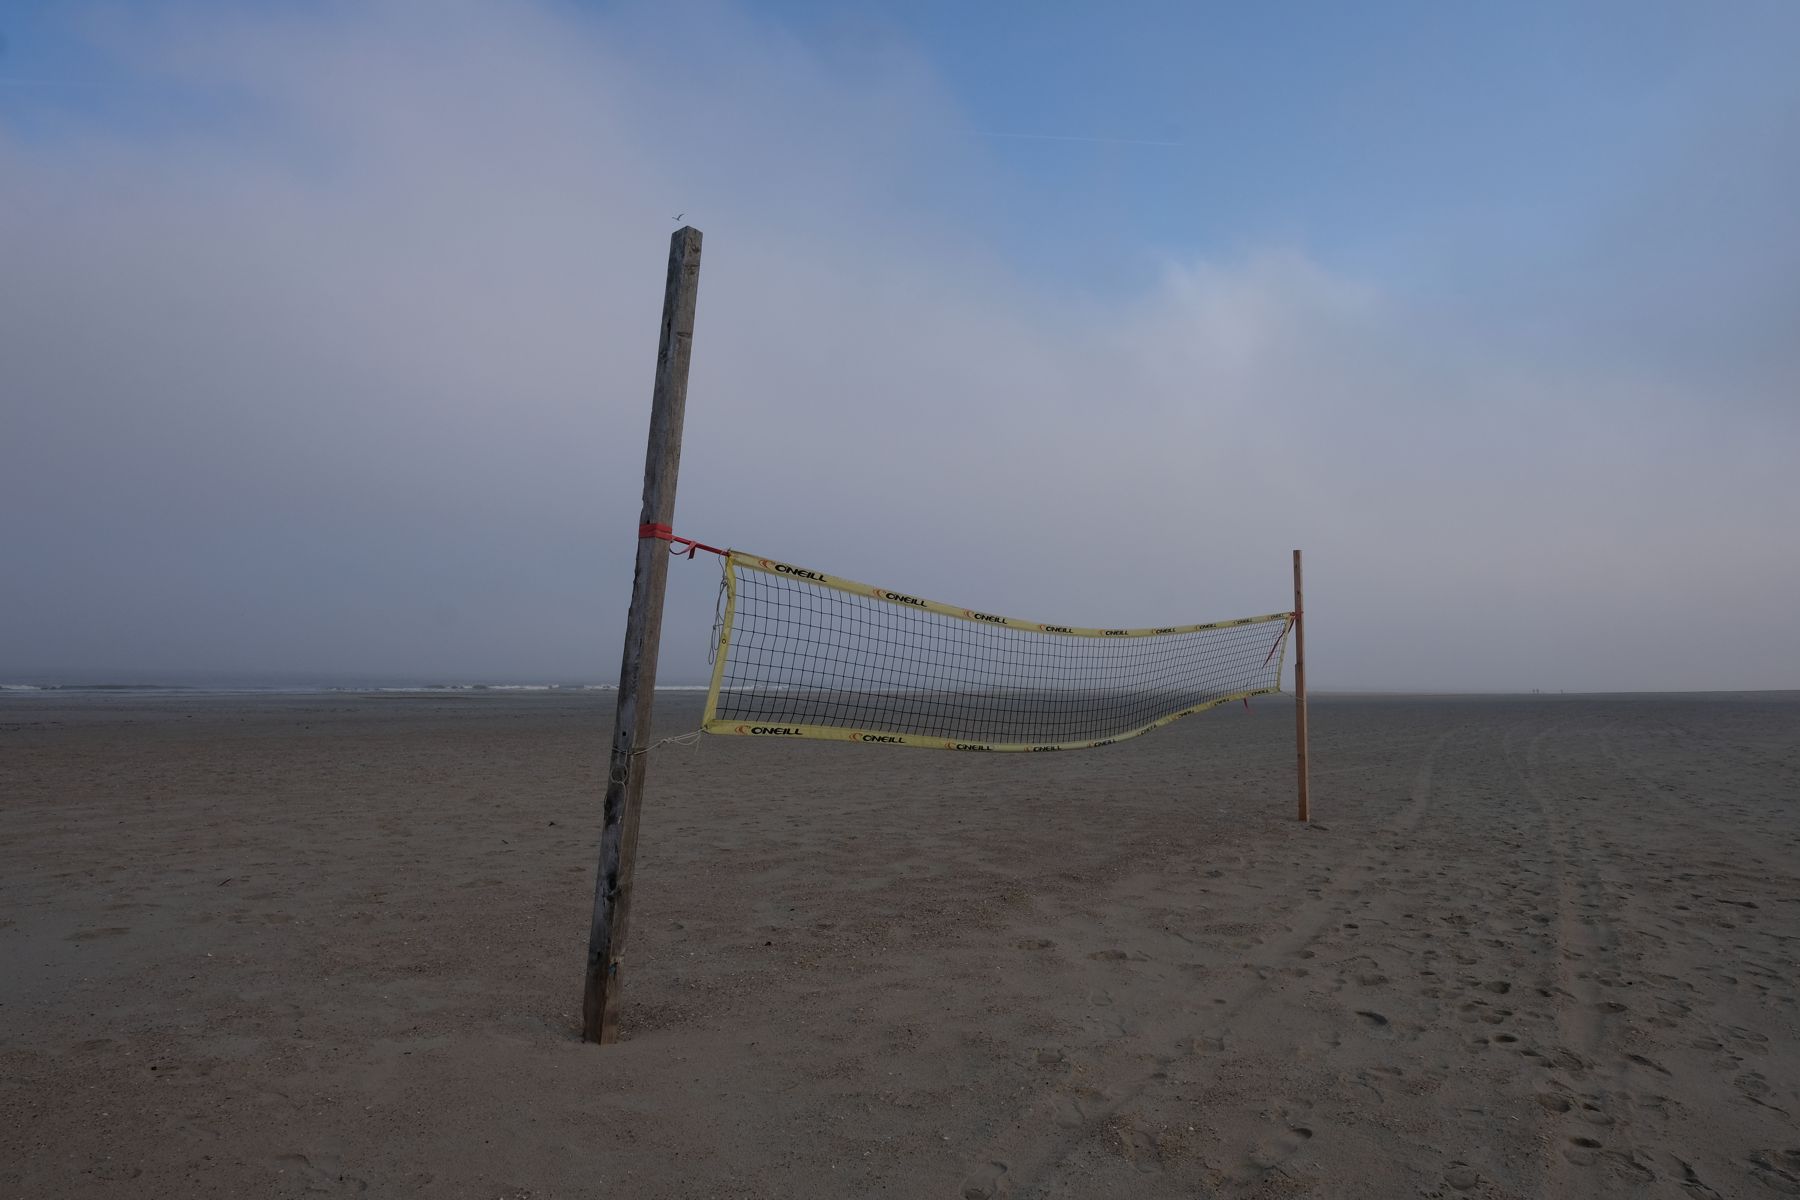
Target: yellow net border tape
[(902, 600), (834, 733)]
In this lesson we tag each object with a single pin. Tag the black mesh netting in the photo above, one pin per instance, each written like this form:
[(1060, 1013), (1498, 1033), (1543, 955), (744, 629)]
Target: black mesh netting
[(805, 653)]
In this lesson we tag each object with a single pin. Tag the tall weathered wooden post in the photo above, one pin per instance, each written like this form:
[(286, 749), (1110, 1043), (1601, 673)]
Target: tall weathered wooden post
[(643, 632)]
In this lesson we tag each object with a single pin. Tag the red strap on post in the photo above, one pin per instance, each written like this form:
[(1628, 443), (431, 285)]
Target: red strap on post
[(665, 534)]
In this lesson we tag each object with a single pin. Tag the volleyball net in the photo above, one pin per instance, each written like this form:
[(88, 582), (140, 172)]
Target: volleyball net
[(804, 654)]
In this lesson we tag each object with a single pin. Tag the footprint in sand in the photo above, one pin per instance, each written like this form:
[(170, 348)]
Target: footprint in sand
[(985, 1182), (1593, 1114), (1461, 1176), (1630, 1166), (1777, 1176), (323, 1174), (1277, 1148), (1752, 1085), (1141, 1150)]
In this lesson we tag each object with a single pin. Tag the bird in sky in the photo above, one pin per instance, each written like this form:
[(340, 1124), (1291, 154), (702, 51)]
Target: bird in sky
[(678, 216)]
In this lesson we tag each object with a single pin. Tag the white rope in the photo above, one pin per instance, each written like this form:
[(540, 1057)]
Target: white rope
[(691, 738)]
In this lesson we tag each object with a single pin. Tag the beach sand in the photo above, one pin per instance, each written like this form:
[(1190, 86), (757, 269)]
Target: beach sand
[(332, 946)]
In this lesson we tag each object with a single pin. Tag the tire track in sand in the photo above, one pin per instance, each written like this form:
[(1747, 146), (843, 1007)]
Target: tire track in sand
[(1052, 1125), (1588, 966)]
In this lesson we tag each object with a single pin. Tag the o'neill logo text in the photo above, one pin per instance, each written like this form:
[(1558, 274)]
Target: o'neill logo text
[(899, 597), (778, 730), (965, 746), (1057, 629), (975, 616), (784, 569), (881, 738), (1115, 633)]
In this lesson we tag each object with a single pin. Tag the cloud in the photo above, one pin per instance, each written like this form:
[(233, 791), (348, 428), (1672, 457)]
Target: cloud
[(341, 364)]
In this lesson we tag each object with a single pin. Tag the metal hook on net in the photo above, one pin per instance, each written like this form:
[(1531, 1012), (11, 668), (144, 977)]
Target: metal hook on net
[(712, 649), (619, 775)]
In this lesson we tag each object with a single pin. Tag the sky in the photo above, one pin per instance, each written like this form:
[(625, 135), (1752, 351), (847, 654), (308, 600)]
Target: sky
[(327, 331)]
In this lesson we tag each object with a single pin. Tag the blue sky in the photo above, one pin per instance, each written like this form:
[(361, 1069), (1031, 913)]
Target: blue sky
[(1352, 130), (1493, 308), (1378, 137)]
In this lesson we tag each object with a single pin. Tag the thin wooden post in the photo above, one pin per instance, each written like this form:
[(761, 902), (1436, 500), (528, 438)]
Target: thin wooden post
[(1300, 688), (643, 631)]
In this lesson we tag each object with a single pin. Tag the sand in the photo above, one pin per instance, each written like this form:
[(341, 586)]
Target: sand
[(332, 946)]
